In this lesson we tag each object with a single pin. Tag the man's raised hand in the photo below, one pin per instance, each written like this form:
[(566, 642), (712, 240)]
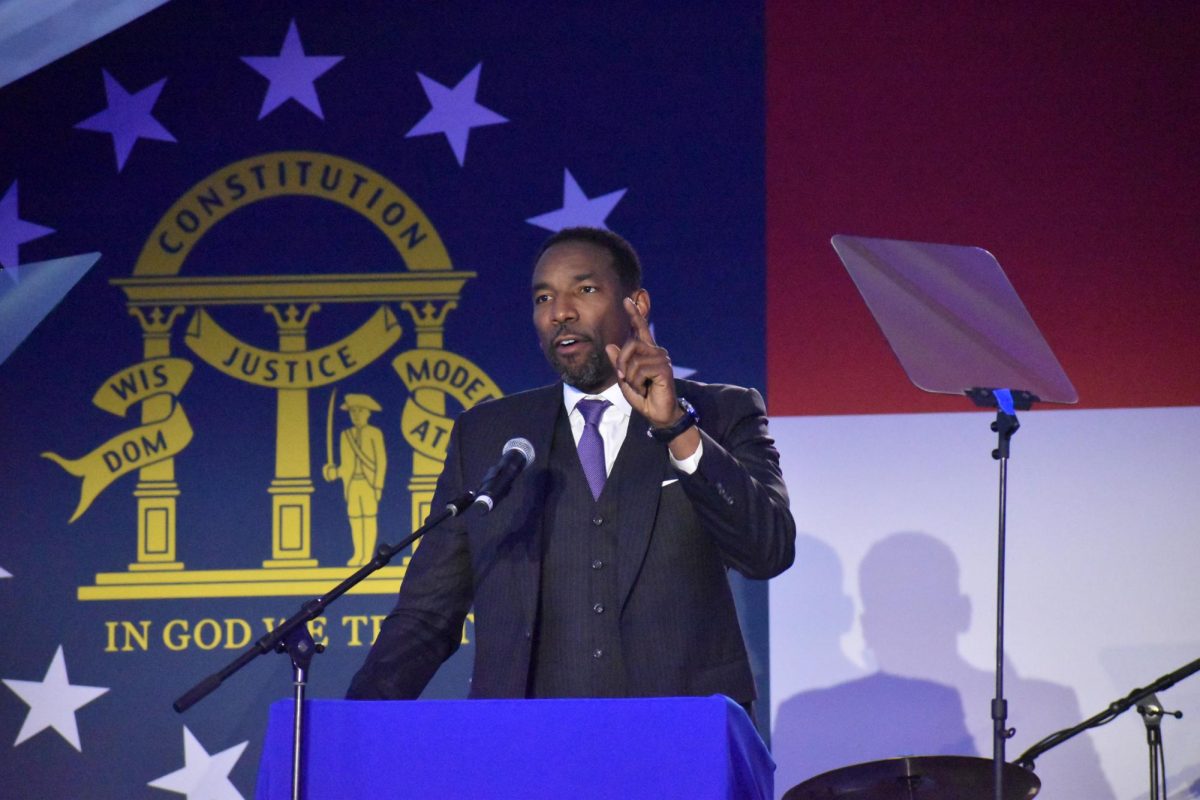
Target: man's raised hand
[(644, 372)]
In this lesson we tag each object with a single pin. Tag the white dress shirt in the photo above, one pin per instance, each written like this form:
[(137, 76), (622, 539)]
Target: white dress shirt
[(614, 425)]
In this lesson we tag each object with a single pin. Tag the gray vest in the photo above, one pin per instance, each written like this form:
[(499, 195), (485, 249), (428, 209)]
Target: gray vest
[(577, 650)]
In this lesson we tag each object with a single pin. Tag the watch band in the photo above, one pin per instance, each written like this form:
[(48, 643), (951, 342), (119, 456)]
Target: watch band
[(665, 435)]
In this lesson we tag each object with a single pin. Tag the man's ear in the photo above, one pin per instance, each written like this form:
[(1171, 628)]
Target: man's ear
[(641, 299)]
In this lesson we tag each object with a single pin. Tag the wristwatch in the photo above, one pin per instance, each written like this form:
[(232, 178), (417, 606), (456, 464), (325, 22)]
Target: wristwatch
[(689, 418)]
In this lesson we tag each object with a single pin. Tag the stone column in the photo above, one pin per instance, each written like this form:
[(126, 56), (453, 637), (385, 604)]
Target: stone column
[(292, 488), (156, 487)]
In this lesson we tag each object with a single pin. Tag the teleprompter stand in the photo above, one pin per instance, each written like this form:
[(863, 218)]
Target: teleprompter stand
[(958, 327), (292, 636)]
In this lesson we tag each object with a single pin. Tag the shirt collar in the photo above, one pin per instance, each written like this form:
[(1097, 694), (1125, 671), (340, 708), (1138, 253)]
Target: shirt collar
[(612, 394)]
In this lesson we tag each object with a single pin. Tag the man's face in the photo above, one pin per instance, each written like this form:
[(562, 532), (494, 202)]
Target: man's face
[(359, 416), (577, 310)]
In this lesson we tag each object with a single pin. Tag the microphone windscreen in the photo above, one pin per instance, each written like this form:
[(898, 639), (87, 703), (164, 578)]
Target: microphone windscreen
[(521, 445)]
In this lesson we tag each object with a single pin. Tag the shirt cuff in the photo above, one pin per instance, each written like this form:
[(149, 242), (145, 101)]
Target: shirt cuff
[(689, 464)]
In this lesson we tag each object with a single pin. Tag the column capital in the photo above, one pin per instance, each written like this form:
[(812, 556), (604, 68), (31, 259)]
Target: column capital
[(292, 319), (156, 324), (293, 325), (430, 315)]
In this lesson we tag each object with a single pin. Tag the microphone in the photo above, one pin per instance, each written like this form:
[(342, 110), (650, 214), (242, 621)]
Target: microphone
[(518, 454)]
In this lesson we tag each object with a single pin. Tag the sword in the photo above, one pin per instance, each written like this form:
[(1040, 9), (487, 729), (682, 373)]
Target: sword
[(329, 429)]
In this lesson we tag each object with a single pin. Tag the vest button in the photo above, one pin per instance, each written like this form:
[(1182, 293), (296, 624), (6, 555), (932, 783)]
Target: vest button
[(597, 521), (597, 564), (597, 653), (598, 608)]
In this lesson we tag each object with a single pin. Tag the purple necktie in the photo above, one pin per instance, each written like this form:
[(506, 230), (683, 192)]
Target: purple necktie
[(591, 446)]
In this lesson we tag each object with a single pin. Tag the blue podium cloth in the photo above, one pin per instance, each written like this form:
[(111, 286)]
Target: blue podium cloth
[(688, 747)]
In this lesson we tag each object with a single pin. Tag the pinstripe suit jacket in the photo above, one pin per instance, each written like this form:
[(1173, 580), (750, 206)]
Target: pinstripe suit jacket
[(678, 627)]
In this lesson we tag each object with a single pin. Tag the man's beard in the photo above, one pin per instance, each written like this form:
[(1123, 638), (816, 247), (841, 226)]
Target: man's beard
[(589, 375)]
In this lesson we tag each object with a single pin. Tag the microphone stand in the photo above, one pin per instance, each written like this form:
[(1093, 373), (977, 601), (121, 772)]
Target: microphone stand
[(1151, 711), (292, 635), (1152, 714)]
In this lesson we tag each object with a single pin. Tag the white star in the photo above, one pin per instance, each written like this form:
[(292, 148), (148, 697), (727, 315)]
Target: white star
[(292, 74), (14, 232), (680, 372), (454, 112), (577, 208), (203, 777), (128, 117), (53, 702)]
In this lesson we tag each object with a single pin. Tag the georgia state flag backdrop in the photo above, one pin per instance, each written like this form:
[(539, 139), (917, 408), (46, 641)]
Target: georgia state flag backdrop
[(294, 203)]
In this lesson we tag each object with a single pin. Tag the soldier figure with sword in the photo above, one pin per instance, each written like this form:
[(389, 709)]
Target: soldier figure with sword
[(362, 467)]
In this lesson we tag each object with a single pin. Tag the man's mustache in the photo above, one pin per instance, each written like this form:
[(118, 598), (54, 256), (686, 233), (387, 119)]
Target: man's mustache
[(565, 330)]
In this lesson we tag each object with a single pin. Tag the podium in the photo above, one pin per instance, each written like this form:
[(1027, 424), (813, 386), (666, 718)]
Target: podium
[(701, 748)]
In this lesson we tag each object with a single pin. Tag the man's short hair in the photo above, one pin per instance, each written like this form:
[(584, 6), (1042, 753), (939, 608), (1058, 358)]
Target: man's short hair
[(625, 258)]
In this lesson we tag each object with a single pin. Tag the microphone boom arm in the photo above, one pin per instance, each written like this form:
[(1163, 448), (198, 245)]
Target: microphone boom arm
[(274, 641), (1114, 710)]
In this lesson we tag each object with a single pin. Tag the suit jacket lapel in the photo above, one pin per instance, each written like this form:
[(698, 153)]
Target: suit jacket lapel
[(528, 494), (638, 475), (538, 427)]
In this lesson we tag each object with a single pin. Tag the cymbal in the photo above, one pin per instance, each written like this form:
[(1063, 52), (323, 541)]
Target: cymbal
[(917, 778)]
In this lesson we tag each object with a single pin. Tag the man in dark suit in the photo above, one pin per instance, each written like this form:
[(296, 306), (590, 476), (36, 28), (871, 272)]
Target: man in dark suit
[(603, 573)]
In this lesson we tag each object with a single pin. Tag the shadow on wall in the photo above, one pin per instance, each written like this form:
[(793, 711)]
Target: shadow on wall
[(925, 699), (823, 612)]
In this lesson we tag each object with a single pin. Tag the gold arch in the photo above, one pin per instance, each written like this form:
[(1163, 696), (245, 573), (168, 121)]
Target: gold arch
[(295, 173)]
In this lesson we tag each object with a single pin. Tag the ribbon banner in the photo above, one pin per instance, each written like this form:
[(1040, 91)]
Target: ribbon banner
[(307, 369), (426, 430), (146, 444), (141, 382), (120, 455)]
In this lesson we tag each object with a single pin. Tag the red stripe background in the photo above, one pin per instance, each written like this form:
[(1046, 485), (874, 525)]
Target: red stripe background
[(1066, 140)]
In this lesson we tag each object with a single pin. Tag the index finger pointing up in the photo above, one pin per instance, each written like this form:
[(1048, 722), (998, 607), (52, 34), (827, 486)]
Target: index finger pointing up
[(641, 328)]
